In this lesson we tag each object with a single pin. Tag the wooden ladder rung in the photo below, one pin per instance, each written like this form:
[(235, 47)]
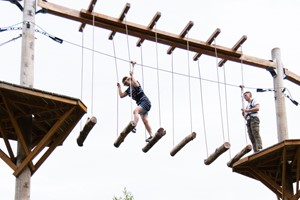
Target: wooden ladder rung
[(224, 147), (159, 134), (183, 142)]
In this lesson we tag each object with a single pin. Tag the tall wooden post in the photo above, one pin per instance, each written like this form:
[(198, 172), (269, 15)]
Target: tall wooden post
[(22, 189), (281, 118)]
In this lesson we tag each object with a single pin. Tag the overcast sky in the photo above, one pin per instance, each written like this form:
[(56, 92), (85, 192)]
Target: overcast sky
[(98, 170)]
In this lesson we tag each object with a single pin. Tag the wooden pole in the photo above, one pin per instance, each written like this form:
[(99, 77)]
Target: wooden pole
[(281, 118), (22, 187), (159, 134), (183, 142), (124, 134), (90, 123), (224, 147), (238, 156)]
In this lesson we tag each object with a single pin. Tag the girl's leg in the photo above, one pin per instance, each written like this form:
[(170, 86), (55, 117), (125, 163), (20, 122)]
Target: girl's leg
[(146, 123), (136, 113)]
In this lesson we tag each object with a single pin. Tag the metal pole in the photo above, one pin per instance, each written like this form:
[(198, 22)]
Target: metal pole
[(281, 118), (22, 187)]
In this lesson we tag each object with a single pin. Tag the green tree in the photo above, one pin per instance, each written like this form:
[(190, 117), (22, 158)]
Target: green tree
[(127, 196)]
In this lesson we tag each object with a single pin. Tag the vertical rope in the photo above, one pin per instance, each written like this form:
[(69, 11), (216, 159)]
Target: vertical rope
[(143, 82), (226, 108), (219, 90), (158, 92), (117, 75), (172, 64), (242, 95), (189, 74), (81, 78), (93, 55), (202, 107), (131, 69)]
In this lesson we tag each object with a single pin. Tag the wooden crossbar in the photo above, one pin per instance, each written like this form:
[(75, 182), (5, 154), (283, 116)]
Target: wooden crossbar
[(124, 134), (90, 9), (90, 123), (235, 48), (150, 27), (209, 41), (121, 18), (158, 135), (182, 34), (238, 156), (224, 147), (183, 142)]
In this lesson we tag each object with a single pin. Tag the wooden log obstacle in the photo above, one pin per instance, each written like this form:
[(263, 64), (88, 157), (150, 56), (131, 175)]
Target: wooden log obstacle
[(238, 156), (224, 147), (159, 134), (124, 134), (183, 142), (90, 123)]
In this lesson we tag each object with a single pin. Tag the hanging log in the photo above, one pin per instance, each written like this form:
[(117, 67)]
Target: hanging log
[(124, 133), (183, 142), (90, 123), (224, 147), (159, 134), (238, 156)]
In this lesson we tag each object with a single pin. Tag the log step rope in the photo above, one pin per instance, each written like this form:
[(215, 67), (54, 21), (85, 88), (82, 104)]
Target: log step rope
[(158, 135), (124, 133), (238, 156), (183, 142), (224, 147), (90, 123)]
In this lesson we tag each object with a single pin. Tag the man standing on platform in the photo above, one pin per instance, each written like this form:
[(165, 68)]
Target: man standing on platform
[(250, 114)]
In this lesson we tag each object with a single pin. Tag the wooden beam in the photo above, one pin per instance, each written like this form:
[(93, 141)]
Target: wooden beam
[(158, 135), (90, 9), (90, 123), (238, 156), (183, 142), (182, 35), (44, 141), (235, 48), (139, 31), (7, 144), (209, 41), (224, 147), (124, 134), (121, 18), (150, 27), (7, 160)]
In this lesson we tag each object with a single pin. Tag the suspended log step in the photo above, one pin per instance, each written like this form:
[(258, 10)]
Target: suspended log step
[(238, 156), (159, 134), (224, 147), (90, 123), (183, 142), (124, 134)]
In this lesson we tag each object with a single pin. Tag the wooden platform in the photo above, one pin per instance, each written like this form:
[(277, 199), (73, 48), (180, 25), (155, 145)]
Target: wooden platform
[(273, 166), (53, 118)]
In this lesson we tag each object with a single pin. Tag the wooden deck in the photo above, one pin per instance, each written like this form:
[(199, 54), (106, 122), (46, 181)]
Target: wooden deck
[(273, 166), (53, 118)]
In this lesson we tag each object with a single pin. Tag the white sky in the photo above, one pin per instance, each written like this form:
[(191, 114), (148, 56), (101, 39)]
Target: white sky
[(98, 170)]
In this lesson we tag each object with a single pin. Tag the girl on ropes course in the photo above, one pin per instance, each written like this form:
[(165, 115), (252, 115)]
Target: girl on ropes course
[(136, 92)]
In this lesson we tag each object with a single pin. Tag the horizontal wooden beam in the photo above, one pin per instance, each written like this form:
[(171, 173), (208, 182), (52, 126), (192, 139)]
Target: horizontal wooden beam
[(121, 18), (140, 31), (209, 41), (150, 27), (90, 9), (235, 48), (183, 33)]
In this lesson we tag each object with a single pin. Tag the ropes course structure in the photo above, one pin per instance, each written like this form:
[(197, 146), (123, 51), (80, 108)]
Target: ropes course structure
[(283, 152)]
